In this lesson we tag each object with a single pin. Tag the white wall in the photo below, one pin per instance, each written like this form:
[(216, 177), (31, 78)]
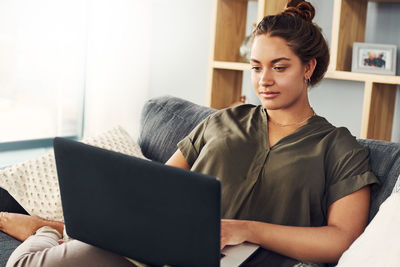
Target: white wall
[(118, 64), (143, 49), (180, 42)]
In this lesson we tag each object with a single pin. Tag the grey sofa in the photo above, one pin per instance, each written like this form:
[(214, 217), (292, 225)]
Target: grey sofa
[(166, 120)]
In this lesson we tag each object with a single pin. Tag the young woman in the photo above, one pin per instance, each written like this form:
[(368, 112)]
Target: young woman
[(291, 182)]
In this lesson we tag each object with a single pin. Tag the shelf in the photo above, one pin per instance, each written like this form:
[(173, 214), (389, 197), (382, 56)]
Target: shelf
[(231, 65), (362, 77)]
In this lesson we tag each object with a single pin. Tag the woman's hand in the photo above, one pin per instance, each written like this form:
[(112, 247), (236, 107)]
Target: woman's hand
[(233, 232)]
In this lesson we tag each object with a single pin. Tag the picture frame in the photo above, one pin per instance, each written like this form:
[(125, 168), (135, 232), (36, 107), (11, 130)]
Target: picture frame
[(374, 58)]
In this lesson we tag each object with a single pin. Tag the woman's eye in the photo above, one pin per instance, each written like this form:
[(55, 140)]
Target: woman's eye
[(255, 68), (279, 68)]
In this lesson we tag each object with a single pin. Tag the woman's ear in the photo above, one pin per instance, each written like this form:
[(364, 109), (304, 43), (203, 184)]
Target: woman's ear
[(310, 67)]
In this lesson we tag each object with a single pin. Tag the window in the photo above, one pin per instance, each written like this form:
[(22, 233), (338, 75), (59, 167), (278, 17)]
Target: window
[(42, 68)]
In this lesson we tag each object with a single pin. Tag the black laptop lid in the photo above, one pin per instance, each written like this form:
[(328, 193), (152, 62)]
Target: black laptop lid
[(137, 208)]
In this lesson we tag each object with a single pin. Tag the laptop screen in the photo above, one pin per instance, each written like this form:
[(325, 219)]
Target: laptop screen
[(137, 208)]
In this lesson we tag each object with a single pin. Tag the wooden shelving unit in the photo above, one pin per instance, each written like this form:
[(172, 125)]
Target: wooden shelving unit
[(349, 19)]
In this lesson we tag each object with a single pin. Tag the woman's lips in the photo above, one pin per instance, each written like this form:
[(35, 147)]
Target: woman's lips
[(269, 95)]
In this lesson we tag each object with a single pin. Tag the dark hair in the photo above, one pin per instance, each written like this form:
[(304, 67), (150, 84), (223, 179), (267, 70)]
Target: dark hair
[(295, 26)]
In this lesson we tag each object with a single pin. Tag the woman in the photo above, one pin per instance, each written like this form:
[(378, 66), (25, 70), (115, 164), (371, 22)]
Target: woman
[(291, 182), (298, 187)]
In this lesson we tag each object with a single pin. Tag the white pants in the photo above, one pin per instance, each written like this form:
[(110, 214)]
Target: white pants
[(42, 249)]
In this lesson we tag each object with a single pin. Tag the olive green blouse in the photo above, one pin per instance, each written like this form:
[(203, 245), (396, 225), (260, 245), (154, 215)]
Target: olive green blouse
[(291, 183)]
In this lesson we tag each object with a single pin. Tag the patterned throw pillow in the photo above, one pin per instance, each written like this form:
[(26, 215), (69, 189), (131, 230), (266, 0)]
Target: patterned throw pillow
[(34, 183)]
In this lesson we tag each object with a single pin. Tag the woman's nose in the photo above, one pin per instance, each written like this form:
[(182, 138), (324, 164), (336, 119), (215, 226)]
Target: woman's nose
[(266, 78)]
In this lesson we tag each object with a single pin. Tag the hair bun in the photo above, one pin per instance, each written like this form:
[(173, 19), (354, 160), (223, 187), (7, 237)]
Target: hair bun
[(300, 8)]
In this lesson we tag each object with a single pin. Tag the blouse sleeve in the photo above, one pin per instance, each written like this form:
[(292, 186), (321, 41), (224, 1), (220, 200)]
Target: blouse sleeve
[(348, 173), (191, 145)]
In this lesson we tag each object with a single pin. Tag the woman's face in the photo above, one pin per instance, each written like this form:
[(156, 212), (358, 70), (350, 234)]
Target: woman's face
[(277, 73)]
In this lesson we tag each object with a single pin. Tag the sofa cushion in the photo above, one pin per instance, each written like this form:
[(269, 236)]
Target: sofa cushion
[(164, 122), (385, 164), (7, 246)]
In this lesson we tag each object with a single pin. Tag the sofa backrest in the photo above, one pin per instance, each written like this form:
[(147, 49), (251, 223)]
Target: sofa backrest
[(164, 122), (167, 120)]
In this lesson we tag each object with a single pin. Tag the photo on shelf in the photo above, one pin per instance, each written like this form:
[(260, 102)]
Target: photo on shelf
[(374, 58)]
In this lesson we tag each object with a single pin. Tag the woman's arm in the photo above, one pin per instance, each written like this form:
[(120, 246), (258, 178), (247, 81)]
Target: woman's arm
[(347, 218), (178, 160)]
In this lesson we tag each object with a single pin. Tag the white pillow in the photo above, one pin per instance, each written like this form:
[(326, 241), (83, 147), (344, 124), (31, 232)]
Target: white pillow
[(379, 244), (34, 183)]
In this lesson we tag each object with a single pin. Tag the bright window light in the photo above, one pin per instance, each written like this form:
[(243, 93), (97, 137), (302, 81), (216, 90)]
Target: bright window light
[(42, 68)]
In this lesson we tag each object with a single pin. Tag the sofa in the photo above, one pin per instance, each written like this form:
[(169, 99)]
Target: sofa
[(166, 120)]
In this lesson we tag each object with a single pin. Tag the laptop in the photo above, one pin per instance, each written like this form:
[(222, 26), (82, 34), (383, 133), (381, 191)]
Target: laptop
[(140, 209)]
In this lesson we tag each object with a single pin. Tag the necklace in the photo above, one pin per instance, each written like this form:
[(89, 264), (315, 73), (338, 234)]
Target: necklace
[(292, 124)]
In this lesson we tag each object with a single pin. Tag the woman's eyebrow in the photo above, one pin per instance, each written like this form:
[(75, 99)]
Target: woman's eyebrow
[(272, 61), (279, 59)]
